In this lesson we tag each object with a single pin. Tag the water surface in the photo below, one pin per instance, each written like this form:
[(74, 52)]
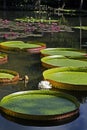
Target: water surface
[(26, 64)]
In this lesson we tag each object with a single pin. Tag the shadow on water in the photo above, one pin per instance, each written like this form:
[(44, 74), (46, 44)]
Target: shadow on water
[(39, 122)]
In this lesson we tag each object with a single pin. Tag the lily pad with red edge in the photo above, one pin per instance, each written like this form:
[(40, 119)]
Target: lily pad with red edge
[(8, 76), (22, 46), (40, 105), (37, 49), (69, 78), (3, 58)]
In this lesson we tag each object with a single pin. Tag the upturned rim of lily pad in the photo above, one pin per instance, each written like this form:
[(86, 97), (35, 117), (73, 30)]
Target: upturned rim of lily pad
[(62, 61), (36, 105)]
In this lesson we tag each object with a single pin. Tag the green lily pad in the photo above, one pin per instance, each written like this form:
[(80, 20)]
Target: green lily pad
[(61, 61), (32, 20), (39, 105), (18, 44), (81, 27), (3, 58), (8, 76), (74, 78), (68, 52)]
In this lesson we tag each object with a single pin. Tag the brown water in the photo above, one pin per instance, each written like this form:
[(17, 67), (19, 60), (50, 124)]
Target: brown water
[(26, 64)]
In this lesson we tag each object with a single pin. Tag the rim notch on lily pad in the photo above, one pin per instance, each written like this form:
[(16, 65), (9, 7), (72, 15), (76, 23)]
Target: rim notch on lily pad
[(40, 105)]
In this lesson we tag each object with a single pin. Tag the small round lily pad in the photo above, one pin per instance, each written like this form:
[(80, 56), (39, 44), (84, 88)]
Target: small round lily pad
[(8, 76)]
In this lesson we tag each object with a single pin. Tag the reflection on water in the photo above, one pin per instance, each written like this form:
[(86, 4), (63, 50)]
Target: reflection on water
[(40, 123), (26, 64)]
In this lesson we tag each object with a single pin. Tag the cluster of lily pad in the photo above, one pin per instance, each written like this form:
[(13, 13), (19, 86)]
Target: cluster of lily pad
[(71, 68), (69, 106), (30, 47), (20, 28)]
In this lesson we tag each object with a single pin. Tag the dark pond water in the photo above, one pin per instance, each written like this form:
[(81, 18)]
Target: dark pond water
[(25, 63)]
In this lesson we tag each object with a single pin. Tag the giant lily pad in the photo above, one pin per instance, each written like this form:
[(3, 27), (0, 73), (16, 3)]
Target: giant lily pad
[(3, 58), (40, 105), (61, 61), (20, 45), (71, 78), (68, 52), (8, 76)]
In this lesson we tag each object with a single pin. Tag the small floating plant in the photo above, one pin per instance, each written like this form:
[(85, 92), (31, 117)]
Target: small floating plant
[(8, 76)]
